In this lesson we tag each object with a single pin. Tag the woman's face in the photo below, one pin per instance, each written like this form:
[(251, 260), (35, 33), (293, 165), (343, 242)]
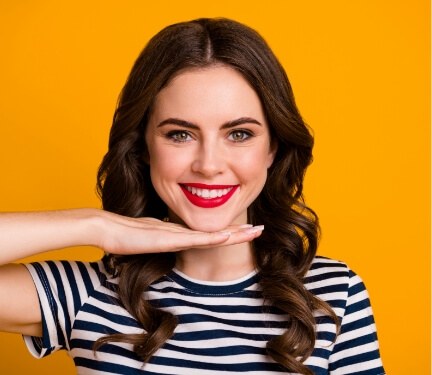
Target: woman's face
[(209, 147)]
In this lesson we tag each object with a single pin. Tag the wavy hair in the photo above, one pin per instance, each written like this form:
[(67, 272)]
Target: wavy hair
[(284, 251)]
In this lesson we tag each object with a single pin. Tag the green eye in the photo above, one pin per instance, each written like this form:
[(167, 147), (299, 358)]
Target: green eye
[(239, 135), (179, 136)]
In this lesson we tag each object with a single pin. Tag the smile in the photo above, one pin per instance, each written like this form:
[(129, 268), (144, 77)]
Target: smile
[(208, 196)]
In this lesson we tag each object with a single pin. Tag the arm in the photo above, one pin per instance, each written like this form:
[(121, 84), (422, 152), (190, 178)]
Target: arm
[(30, 233), (26, 234)]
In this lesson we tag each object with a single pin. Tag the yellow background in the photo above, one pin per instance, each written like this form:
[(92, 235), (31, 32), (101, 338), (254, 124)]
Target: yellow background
[(361, 74)]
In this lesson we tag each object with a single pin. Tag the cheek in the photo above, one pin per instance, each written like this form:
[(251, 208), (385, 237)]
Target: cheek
[(252, 166), (166, 164), (255, 158)]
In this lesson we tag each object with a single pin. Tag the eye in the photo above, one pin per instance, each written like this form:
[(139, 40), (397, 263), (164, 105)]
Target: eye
[(179, 136), (239, 135)]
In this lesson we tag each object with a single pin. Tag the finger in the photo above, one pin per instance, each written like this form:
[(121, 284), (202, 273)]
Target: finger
[(244, 235), (204, 240)]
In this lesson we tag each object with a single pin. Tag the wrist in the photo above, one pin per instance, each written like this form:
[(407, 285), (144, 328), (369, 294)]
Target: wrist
[(93, 223)]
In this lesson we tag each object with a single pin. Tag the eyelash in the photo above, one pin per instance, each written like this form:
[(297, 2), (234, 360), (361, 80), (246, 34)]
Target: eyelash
[(175, 135), (245, 133)]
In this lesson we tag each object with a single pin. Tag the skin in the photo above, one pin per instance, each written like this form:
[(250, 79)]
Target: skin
[(208, 127), (212, 244)]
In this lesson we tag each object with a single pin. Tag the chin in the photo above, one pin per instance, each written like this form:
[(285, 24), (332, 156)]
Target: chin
[(208, 223), (208, 227)]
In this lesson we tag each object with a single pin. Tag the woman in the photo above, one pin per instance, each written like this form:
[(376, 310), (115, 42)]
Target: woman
[(210, 261)]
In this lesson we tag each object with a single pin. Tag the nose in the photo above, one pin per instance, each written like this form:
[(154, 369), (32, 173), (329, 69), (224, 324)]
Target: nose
[(209, 160)]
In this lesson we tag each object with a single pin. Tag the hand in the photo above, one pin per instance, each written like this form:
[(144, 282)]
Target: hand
[(124, 235)]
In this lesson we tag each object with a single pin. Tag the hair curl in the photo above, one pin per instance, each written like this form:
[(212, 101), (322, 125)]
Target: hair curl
[(285, 250)]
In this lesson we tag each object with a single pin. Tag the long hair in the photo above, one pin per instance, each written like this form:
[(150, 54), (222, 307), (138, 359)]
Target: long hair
[(285, 250)]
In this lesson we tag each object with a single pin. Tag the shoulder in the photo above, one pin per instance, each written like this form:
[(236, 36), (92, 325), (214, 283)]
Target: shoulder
[(326, 271), (61, 272), (334, 282)]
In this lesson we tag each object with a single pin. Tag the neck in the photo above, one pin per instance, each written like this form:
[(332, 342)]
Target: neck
[(217, 264)]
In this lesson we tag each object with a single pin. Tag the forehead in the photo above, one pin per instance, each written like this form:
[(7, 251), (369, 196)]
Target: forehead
[(208, 93)]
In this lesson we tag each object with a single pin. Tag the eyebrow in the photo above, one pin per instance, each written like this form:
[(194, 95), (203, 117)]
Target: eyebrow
[(191, 125)]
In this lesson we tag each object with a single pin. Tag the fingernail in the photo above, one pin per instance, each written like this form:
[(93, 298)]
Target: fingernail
[(246, 226), (256, 229), (225, 233)]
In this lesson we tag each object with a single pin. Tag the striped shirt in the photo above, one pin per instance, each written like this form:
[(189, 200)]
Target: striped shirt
[(222, 326)]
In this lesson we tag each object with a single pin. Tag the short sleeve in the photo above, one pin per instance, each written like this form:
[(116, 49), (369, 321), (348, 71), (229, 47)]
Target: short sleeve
[(62, 289), (356, 348)]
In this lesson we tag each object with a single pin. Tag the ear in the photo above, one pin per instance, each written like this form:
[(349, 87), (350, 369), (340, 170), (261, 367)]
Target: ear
[(272, 153)]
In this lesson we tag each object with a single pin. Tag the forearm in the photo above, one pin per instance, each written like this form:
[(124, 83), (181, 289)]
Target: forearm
[(29, 233), (24, 234)]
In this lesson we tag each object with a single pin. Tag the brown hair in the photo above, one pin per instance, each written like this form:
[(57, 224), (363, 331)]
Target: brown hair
[(285, 250)]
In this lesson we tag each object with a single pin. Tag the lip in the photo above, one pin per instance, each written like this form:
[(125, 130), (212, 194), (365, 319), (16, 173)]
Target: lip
[(208, 202)]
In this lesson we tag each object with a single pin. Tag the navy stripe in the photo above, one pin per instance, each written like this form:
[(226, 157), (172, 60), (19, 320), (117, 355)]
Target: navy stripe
[(63, 301), (204, 289), (359, 358), (356, 324), (221, 351), (84, 273), (328, 289), (114, 368), (175, 302), (72, 286), (53, 302), (356, 342), (211, 334), (45, 342), (324, 276), (106, 298), (119, 319), (246, 294), (94, 327), (106, 348), (200, 318), (326, 336)]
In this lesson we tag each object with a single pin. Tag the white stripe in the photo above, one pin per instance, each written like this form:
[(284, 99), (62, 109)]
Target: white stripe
[(228, 359), (357, 315), (354, 334), (89, 317), (358, 297), (352, 352), (328, 282), (204, 326), (217, 343), (207, 301)]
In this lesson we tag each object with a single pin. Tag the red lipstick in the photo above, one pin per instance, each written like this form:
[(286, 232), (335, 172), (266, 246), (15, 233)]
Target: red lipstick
[(201, 196)]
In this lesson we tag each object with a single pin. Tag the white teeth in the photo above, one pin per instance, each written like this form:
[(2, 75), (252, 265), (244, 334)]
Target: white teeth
[(208, 193)]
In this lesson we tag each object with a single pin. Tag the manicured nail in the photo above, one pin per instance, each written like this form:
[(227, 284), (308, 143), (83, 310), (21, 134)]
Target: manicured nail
[(246, 226), (225, 233), (256, 229)]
